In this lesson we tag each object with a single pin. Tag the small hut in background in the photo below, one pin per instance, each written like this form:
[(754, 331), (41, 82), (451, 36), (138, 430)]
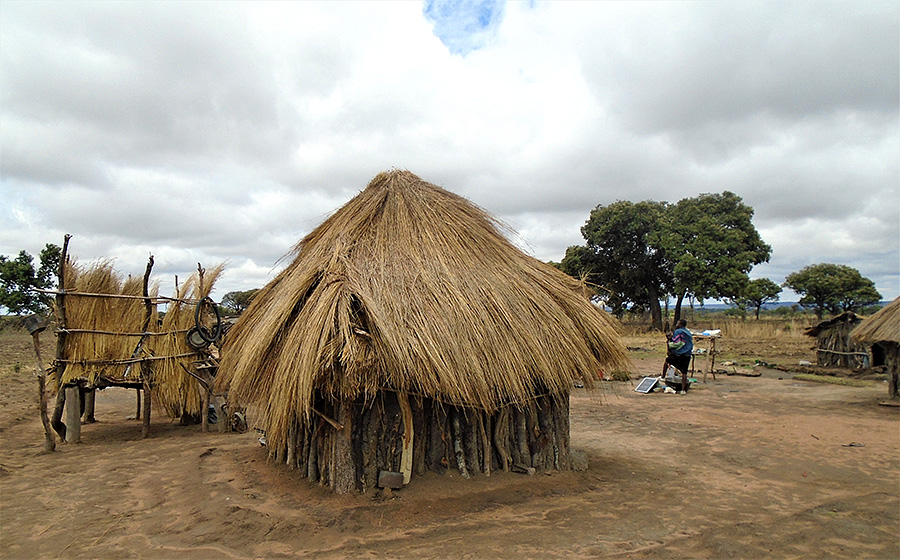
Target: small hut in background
[(409, 335), (881, 331), (833, 344)]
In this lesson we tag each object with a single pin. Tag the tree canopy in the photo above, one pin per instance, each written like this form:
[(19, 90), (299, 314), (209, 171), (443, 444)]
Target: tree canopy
[(638, 253), (238, 302), (19, 280), (758, 293), (832, 288), (623, 255), (713, 245)]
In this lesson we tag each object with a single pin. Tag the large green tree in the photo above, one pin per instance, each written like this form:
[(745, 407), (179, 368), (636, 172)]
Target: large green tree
[(758, 293), (712, 245), (623, 256), (238, 302), (19, 280), (637, 253), (832, 288)]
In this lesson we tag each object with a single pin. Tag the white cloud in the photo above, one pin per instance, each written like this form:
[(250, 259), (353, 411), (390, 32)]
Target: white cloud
[(227, 131)]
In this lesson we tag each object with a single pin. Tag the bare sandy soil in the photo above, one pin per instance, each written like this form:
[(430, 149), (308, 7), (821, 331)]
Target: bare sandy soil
[(740, 467)]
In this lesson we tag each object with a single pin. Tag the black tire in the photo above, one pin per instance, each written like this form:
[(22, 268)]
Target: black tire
[(206, 334)]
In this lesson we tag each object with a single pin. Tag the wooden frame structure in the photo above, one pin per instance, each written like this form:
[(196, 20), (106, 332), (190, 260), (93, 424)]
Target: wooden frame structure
[(75, 397)]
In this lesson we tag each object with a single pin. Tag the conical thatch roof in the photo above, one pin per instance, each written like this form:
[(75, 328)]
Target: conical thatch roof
[(883, 326), (410, 287)]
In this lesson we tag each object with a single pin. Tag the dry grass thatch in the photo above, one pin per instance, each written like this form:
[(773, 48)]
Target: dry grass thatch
[(173, 389), (93, 355), (409, 287), (883, 326), (94, 352)]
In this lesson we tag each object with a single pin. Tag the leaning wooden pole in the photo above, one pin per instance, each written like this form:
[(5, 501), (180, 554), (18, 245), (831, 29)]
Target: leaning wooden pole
[(56, 421), (146, 371), (50, 439)]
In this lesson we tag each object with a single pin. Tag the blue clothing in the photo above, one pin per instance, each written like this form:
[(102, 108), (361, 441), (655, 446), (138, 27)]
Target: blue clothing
[(683, 335)]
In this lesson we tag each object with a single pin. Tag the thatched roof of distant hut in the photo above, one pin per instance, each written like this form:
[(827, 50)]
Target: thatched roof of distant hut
[(842, 319), (883, 326), (412, 288)]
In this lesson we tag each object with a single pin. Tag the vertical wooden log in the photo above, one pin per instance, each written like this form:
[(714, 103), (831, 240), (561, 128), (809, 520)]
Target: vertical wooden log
[(61, 326), (371, 420), (312, 470), (457, 443), (501, 437), (145, 419), (89, 399), (406, 452), (487, 456), (303, 455), (49, 438), (521, 436), (531, 430), (420, 440), (290, 458), (146, 372), (73, 414), (204, 410), (470, 440), (560, 406), (137, 413), (547, 453), (437, 459)]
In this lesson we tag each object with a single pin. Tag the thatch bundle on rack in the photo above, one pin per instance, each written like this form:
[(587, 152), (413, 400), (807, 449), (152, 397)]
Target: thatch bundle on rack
[(881, 331), (174, 390), (833, 344), (409, 334), (93, 347), (105, 339)]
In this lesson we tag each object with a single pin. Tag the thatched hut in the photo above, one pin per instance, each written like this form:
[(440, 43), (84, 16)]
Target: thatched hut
[(408, 334), (882, 332), (833, 345)]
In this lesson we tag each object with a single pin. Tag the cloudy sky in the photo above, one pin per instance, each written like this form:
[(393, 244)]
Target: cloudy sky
[(209, 132)]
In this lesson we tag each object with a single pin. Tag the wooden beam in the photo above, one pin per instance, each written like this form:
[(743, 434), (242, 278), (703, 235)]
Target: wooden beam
[(50, 439), (406, 455)]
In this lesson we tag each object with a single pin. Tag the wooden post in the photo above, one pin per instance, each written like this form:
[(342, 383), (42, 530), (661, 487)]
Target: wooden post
[(89, 398), (204, 412), (50, 439), (406, 454), (224, 419), (146, 372), (73, 414), (343, 469), (56, 421), (137, 412)]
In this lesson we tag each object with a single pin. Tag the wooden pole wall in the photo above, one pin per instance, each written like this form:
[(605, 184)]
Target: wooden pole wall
[(409, 436)]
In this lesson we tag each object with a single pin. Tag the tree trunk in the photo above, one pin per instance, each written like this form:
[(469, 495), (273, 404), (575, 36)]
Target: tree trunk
[(677, 315), (655, 311)]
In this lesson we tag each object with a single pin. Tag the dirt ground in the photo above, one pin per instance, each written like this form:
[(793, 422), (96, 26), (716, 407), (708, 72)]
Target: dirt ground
[(740, 467)]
